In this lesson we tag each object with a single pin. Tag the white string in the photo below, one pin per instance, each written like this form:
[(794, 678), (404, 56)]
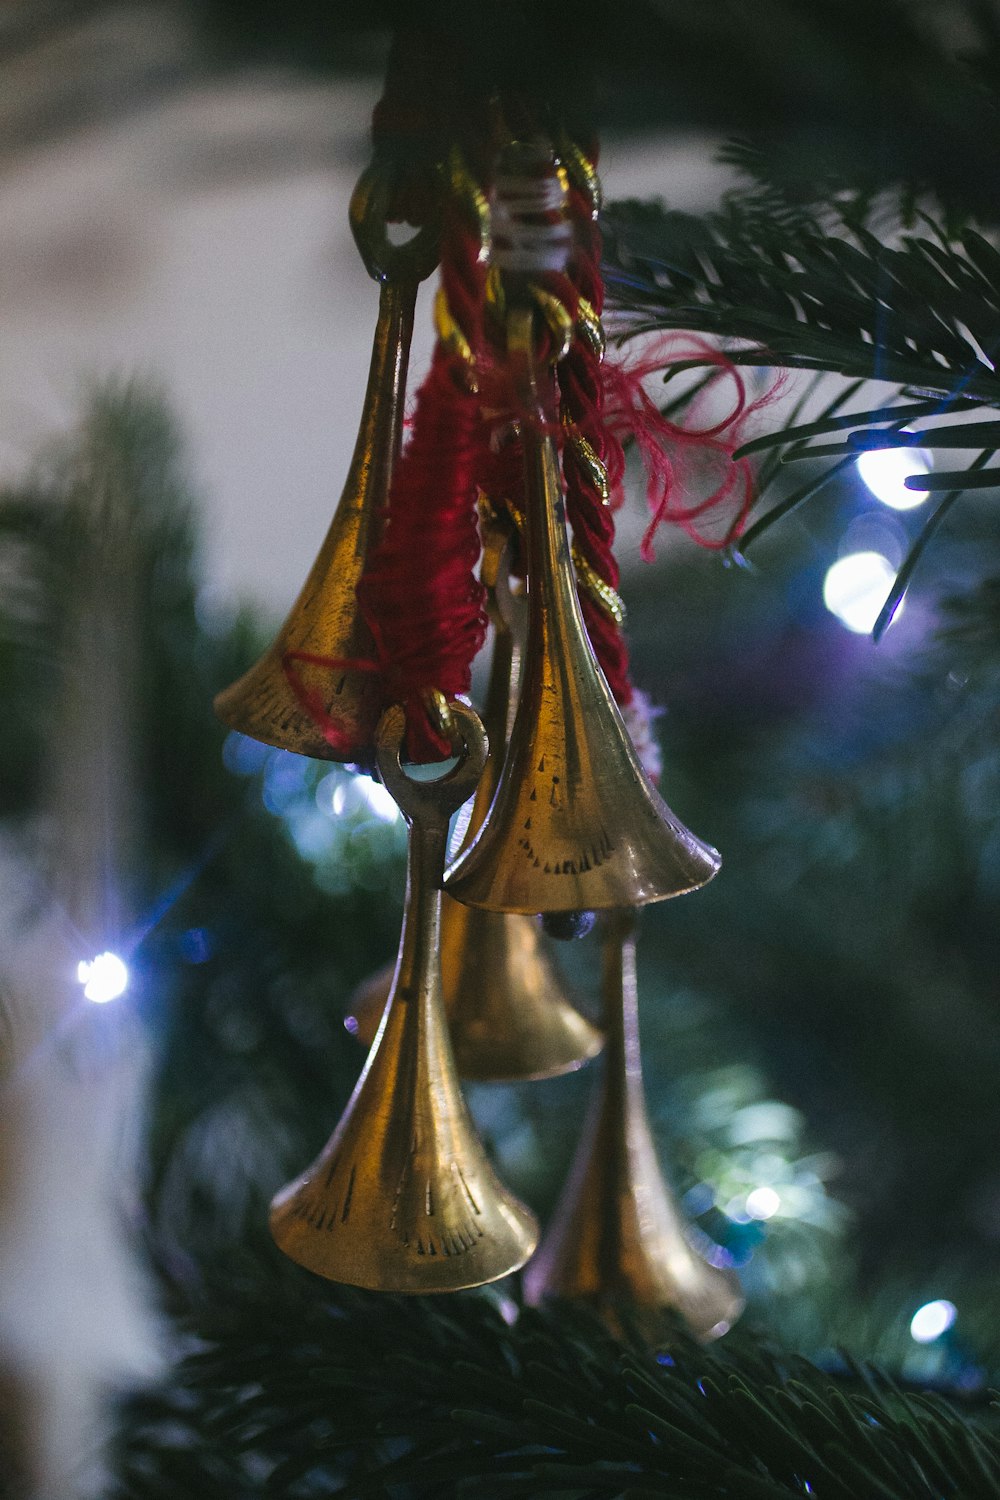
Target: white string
[(526, 238)]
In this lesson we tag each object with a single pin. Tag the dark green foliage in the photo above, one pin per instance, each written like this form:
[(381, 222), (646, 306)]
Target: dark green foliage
[(307, 1393), (854, 878), (812, 287), (867, 93), (807, 284)]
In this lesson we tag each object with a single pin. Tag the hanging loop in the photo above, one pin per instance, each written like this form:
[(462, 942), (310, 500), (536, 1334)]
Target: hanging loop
[(413, 260), (431, 801)]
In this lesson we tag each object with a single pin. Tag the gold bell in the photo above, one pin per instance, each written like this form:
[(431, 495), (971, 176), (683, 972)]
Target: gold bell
[(403, 1198), (575, 823), (617, 1239), (303, 694), (507, 1008)]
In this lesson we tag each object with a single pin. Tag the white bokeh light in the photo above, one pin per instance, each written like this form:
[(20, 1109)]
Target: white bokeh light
[(763, 1203), (103, 978), (932, 1320), (380, 802), (360, 795), (885, 471), (855, 589)]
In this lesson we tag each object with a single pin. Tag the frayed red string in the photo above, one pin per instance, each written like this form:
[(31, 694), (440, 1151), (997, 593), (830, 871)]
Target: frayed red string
[(680, 460)]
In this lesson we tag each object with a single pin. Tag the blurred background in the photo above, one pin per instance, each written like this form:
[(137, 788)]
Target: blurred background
[(185, 330)]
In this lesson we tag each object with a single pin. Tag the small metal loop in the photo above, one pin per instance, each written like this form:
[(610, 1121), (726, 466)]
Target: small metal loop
[(431, 801), (558, 319), (384, 261)]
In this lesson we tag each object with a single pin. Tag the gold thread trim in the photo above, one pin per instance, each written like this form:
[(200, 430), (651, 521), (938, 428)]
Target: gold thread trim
[(557, 317), (472, 197), (590, 328), (608, 598), (588, 579), (582, 172), (586, 455), (453, 338)]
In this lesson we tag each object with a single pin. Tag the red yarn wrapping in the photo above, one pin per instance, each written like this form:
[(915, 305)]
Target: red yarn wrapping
[(677, 457), (419, 595)]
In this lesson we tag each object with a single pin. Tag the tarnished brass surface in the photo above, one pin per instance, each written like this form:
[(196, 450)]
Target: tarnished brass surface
[(575, 823), (403, 1198), (286, 699), (509, 1014), (617, 1240)]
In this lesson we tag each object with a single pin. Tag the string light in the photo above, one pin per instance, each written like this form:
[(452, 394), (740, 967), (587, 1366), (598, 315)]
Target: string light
[(885, 471), (855, 589), (762, 1203), (932, 1320), (103, 977), (363, 794)]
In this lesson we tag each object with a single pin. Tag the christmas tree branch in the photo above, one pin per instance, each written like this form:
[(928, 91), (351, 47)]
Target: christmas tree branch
[(307, 1392)]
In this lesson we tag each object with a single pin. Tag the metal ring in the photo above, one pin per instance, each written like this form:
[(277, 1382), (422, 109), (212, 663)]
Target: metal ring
[(432, 800), (417, 257)]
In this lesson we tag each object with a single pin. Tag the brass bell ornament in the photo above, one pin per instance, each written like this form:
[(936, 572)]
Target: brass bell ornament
[(403, 1197), (617, 1240), (313, 691), (575, 824)]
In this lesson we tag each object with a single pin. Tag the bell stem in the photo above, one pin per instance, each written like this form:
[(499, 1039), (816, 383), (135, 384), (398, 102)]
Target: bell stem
[(380, 434), (623, 1102), (420, 939), (553, 606)]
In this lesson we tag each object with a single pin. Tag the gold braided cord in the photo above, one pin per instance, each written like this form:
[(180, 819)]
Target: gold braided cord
[(602, 593), (448, 330), (596, 469), (582, 172), (591, 582), (590, 328), (472, 198), (556, 314)]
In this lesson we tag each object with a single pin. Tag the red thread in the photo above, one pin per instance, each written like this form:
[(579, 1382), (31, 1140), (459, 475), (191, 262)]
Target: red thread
[(419, 593), (311, 700), (684, 459)]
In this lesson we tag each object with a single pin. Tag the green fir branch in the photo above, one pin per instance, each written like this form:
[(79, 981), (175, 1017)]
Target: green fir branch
[(306, 1391), (820, 295), (797, 285)]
